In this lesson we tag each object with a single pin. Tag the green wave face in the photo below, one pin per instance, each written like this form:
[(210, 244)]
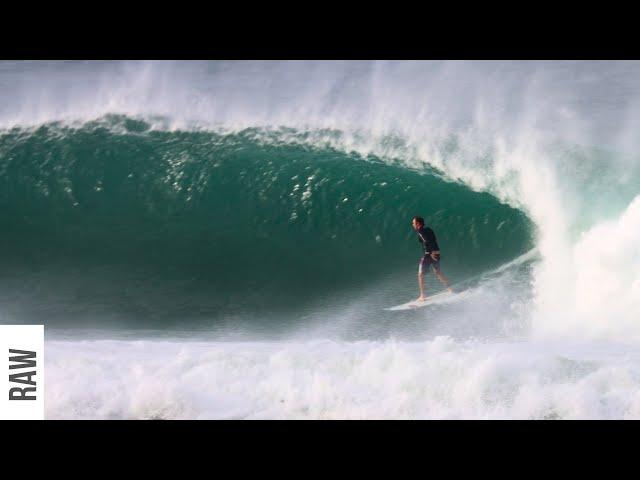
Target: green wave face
[(160, 228)]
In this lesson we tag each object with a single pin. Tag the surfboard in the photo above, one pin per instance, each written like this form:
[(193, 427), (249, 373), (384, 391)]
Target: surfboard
[(442, 297)]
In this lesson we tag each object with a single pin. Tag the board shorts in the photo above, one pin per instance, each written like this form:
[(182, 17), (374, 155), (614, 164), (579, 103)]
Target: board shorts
[(427, 261)]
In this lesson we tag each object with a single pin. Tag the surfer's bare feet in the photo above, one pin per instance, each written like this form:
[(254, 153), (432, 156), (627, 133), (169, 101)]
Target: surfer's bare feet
[(421, 298), (450, 290)]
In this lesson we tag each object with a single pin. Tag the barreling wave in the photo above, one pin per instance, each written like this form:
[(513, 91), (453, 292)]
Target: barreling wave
[(270, 202), (114, 218)]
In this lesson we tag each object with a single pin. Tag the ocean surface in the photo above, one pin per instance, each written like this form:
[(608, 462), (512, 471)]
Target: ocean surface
[(222, 239)]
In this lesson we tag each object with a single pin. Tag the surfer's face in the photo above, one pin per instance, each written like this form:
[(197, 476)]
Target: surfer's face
[(415, 224)]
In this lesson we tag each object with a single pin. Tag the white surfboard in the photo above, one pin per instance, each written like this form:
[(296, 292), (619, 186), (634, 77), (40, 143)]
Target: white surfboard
[(442, 297)]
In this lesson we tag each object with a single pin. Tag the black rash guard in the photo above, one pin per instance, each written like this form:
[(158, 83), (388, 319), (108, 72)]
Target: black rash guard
[(428, 240)]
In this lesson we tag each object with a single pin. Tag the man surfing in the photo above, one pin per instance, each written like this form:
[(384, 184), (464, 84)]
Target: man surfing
[(431, 255)]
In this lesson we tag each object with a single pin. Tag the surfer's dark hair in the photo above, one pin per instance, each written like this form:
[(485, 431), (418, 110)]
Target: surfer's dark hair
[(420, 220)]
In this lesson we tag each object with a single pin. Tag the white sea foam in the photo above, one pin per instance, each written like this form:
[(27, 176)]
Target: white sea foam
[(435, 379)]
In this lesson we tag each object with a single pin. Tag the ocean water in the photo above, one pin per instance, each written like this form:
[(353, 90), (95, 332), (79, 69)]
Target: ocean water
[(221, 239)]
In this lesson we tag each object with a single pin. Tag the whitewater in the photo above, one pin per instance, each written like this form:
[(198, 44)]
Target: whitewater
[(221, 239)]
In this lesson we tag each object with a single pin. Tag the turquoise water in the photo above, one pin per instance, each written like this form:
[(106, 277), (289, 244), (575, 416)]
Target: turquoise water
[(164, 228)]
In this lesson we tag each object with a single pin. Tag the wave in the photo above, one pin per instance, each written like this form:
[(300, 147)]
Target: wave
[(246, 223), (113, 217), (555, 141)]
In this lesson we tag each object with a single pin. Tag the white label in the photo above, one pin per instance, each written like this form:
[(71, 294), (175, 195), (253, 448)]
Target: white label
[(22, 353)]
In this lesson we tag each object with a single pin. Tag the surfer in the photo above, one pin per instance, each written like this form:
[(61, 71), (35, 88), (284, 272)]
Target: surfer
[(431, 255)]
